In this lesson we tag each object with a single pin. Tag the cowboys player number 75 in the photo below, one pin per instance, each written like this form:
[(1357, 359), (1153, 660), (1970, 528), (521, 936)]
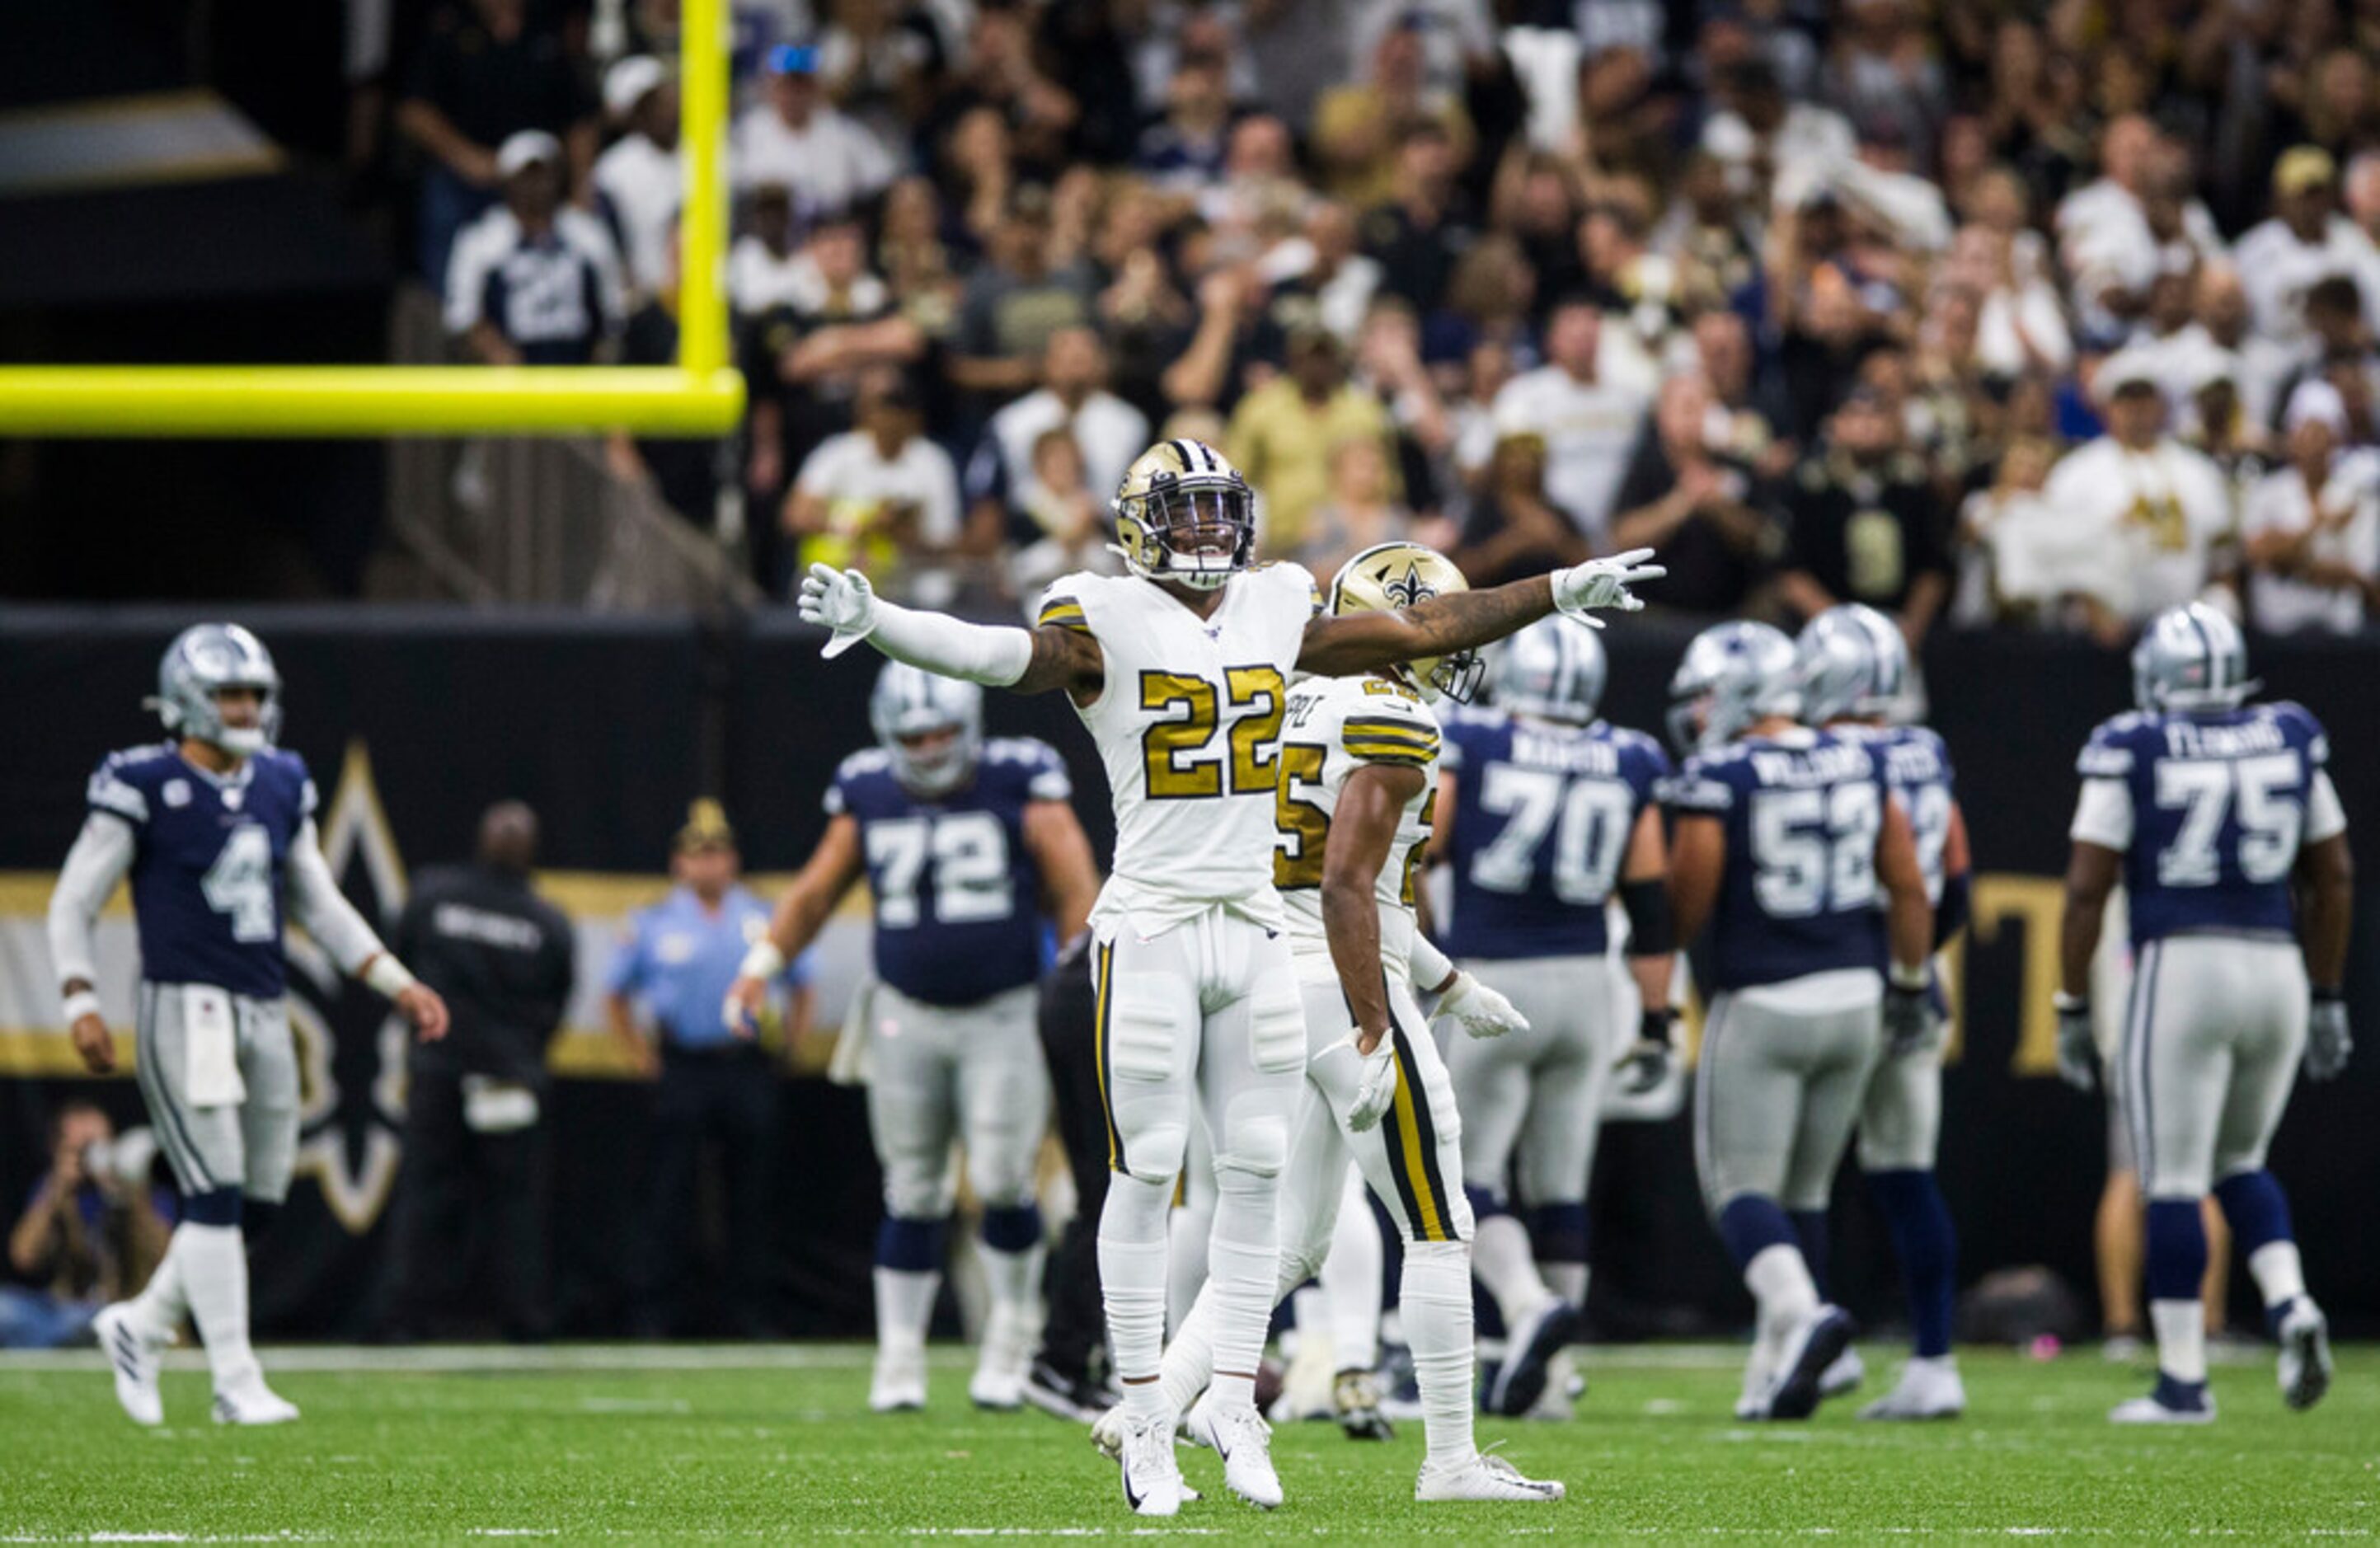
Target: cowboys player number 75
[(1179, 672)]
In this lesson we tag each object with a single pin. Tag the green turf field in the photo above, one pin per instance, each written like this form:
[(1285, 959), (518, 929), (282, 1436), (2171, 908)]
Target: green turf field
[(776, 1443)]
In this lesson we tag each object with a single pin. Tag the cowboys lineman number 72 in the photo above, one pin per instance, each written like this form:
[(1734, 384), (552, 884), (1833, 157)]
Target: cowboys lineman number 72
[(1179, 672), (215, 828)]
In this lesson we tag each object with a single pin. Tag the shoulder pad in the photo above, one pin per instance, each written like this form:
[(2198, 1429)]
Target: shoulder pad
[(1062, 609), (1391, 727), (119, 785), (2299, 724), (1696, 787), (2109, 754)]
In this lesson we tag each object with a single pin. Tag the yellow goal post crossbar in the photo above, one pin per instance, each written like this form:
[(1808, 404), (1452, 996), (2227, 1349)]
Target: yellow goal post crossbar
[(700, 395)]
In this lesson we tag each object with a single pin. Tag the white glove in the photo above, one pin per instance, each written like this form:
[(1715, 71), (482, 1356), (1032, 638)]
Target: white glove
[(1478, 1009), (1376, 1080), (840, 600), (2078, 1051), (1603, 583)]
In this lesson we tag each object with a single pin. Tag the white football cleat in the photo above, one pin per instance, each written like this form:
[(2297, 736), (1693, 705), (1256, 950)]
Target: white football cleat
[(1152, 1478), (2172, 1403), (899, 1383), (2305, 1355), (1809, 1349), (253, 1402), (132, 1354), (1927, 1389), (1484, 1476), (1241, 1437), (1848, 1371)]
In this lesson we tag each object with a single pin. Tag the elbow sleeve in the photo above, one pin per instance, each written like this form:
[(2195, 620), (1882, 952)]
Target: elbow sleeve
[(1950, 914), (1652, 927)]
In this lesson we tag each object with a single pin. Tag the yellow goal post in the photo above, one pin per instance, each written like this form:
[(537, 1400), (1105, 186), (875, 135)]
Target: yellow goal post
[(702, 394)]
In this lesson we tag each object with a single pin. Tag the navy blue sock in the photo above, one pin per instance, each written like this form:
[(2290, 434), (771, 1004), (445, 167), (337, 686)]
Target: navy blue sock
[(1919, 1222), (1012, 1228), (911, 1246), (1810, 1229), (2257, 1209), (2177, 1249), (1558, 1233), (1750, 1225), (219, 1207), (1484, 1202)]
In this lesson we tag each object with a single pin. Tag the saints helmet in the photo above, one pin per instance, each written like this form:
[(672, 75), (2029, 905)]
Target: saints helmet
[(1554, 669), (910, 702), (2193, 657), (203, 661), (1733, 674), (1175, 493), (1387, 576), (1853, 662)]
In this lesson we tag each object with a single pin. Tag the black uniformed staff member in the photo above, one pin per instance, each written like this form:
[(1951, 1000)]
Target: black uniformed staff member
[(474, 1131)]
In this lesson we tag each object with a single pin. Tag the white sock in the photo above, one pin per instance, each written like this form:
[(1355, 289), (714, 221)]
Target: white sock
[(1243, 1266), (1190, 1357), (214, 1276), (1501, 1257), (1186, 1230), (2181, 1338), (1435, 1291), (905, 1308), (1131, 1282), (1566, 1280), (2281, 1276), (1308, 1329), (1013, 1280), (1351, 1281), (1780, 1280), (160, 1307)]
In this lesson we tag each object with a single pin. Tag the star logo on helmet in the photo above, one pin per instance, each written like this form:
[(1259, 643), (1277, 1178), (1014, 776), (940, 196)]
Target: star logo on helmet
[(1408, 590)]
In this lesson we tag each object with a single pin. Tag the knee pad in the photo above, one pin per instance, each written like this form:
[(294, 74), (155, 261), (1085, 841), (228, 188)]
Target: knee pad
[(2256, 1209), (1153, 1154), (911, 1245), (219, 1207), (1012, 1227), (1255, 1144)]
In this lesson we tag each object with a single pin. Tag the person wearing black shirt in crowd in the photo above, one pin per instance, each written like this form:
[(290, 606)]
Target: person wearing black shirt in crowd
[(1697, 506), (474, 1131), (1865, 524)]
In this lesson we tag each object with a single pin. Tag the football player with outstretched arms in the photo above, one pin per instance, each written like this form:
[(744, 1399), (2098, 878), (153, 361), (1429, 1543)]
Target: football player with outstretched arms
[(2219, 817), (1179, 672), (1358, 790), (1785, 839), (1854, 667), (1547, 815), (966, 845), (214, 826)]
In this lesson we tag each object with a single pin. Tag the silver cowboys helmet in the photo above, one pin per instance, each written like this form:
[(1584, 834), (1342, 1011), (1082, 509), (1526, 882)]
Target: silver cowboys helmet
[(1184, 514), (1733, 674), (203, 661), (1853, 662), (910, 703), (1554, 669), (2192, 658), (1387, 576)]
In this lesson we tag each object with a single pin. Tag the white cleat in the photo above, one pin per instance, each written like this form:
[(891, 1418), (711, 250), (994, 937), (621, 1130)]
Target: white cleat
[(1152, 1478), (1242, 1438), (1846, 1374), (899, 1384), (1929, 1389), (2305, 1356), (132, 1354), (1484, 1476), (253, 1403), (2172, 1403), (1809, 1349)]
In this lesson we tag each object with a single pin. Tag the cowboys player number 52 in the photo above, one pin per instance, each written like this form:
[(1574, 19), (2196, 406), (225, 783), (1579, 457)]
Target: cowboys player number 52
[(1180, 670)]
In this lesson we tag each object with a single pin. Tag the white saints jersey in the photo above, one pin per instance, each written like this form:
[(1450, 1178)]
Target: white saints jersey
[(1336, 726), (1188, 724)]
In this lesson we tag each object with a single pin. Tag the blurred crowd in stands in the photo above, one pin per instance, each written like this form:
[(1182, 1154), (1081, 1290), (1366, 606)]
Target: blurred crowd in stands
[(2038, 315)]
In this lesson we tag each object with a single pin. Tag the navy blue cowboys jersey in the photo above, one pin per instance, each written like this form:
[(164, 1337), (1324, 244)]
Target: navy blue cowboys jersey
[(1541, 830), (1917, 769), (1802, 812), (958, 898), (2213, 812), (209, 862)]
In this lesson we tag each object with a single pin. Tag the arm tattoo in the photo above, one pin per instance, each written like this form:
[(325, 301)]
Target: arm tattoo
[(1063, 658), (1464, 619)]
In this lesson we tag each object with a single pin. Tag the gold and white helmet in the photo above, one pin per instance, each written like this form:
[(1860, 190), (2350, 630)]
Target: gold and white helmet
[(1387, 576), (1185, 514)]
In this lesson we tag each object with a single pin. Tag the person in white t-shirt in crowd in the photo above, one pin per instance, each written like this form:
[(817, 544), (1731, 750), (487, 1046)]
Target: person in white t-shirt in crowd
[(1587, 425), (1066, 517), (637, 181), (1759, 136), (797, 138), (534, 281), (879, 497), (1003, 487), (2306, 240), (2312, 528), (2108, 242), (2145, 515)]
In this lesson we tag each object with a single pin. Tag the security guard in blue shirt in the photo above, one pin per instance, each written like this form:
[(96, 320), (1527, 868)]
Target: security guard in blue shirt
[(679, 959)]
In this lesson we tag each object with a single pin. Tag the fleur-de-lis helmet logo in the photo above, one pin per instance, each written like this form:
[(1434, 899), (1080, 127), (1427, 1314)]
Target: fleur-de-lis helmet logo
[(1406, 589)]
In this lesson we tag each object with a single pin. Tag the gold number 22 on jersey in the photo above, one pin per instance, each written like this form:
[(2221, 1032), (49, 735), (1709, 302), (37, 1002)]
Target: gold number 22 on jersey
[(1173, 752)]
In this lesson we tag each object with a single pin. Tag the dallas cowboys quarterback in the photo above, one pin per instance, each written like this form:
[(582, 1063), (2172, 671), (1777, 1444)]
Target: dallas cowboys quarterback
[(1784, 838), (2220, 818), (215, 828), (1179, 672), (965, 843), (1549, 816)]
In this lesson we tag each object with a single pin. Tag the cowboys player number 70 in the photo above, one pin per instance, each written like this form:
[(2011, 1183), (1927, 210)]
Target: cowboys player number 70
[(215, 828), (1180, 670)]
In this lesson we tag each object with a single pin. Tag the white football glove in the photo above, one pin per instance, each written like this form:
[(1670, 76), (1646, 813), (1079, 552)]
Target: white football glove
[(1604, 583), (1478, 1009), (2329, 1043), (2078, 1051), (1376, 1080), (840, 600)]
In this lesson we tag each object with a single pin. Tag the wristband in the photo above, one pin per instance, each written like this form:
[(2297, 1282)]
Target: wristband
[(388, 975), (1915, 979), (2066, 1004), (81, 1003), (2328, 994), (763, 960)]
